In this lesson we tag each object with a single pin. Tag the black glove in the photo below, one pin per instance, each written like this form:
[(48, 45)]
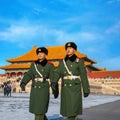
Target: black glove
[(86, 94), (55, 89), (22, 85)]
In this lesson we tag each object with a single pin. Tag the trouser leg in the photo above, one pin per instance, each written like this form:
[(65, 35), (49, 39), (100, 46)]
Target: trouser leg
[(72, 118), (39, 116)]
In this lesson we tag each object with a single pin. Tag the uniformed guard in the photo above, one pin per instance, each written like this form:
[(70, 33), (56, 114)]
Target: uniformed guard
[(74, 79), (39, 73)]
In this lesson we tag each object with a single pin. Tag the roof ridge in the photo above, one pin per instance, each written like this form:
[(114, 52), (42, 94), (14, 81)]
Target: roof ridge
[(34, 48), (107, 71)]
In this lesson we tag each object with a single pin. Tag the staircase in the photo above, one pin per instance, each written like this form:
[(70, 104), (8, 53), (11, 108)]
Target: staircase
[(105, 86)]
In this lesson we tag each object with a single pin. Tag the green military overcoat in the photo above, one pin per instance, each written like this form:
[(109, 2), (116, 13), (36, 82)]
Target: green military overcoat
[(71, 90), (39, 95)]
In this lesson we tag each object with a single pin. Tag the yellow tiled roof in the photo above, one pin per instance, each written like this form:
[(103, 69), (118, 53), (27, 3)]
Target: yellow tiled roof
[(16, 66), (29, 56), (55, 53), (27, 65)]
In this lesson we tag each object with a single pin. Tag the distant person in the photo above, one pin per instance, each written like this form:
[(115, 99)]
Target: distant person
[(39, 72), (74, 79), (7, 90)]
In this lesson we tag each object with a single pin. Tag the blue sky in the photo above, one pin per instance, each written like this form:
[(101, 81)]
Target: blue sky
[(93, 25)]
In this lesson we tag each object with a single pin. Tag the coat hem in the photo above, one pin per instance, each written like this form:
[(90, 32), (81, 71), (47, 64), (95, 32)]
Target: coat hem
[(37, 112), (69, 115)]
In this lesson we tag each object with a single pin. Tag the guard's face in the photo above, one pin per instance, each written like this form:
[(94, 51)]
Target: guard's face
[(70, 51), (41, 55)]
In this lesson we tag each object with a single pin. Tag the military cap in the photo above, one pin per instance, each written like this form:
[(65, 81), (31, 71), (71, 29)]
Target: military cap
[(42, 49), (71, 44)]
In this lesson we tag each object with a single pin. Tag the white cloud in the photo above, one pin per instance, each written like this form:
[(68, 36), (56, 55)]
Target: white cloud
[(62, 36), (15, 33), (71, 19), (115, 29), (38, 11), (112, 1), (24, 31)]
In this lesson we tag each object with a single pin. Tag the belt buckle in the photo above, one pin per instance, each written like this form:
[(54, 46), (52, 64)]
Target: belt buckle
[(41, 79), (37, 79), (68, 77)]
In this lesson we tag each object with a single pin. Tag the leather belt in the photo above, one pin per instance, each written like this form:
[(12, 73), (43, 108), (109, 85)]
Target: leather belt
[(71, 77), (40, 79)]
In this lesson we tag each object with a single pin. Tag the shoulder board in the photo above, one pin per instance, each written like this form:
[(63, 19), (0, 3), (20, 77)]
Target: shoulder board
[(80, 58), (32, 62), (50, 63), (61, 59)]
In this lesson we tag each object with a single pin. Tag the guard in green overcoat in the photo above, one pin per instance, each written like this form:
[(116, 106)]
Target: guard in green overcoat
[(74, 80), (39, 72)]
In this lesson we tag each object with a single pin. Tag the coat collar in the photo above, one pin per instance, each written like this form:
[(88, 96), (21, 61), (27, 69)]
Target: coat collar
[(43, 63), (72, 58)]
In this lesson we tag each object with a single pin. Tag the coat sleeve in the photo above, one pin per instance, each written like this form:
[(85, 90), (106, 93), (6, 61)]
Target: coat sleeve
[(83, 76), (57, 73), (28, 76), (51, 74)]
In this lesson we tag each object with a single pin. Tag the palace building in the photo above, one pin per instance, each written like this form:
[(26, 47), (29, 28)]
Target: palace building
[(19, 65), (101, 81), (105, 82)]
